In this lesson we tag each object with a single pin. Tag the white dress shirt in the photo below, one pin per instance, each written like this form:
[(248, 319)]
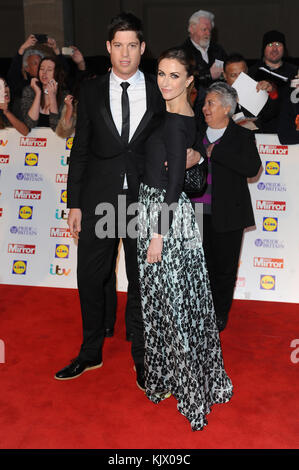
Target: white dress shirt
[(137, 101)]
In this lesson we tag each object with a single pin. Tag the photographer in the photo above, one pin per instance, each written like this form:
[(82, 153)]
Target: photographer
[(42, 102)]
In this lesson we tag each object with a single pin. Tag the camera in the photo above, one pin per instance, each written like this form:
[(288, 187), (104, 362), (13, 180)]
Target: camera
[(41, 38), (67, 51)]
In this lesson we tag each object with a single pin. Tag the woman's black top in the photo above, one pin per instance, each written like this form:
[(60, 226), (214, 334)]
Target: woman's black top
[(169, 141)]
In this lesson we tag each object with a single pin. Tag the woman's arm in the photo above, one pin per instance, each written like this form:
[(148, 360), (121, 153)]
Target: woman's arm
[(16, 123)]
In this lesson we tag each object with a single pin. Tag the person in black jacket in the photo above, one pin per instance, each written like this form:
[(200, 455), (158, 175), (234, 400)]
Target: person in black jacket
[(288, 124), (232, 158), (266, 121), (204, 51), (116, 113)]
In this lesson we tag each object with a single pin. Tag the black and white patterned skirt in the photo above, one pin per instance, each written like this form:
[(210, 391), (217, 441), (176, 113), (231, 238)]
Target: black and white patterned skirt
[(182, 347)]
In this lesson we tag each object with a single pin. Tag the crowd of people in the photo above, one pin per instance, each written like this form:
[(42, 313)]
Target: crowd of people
[(36, 98), (136, 136)]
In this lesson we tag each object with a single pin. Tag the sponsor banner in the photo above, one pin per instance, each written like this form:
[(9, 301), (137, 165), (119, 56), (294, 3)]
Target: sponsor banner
[(37, 247), (20, 248), (270, 255)]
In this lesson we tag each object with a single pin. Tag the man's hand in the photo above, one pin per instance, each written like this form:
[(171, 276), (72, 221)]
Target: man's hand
[(215, 71), (30, 41), (52, 43), (78, 58), (264, 85), (193, 157), (74, 222)]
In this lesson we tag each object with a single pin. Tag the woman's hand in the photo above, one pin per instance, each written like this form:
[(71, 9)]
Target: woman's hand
[(154, 252), (69, 101), (52, 88), (35, 86)]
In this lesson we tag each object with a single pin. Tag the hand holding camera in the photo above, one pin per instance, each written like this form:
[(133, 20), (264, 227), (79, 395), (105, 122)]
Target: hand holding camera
[(52, 88)]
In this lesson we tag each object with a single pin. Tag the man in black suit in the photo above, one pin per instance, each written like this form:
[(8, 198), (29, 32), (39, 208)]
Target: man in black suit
[(116, 113)]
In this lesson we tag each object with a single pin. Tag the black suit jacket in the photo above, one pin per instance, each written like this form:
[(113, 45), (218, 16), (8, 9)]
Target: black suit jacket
[(99, 159), (215, 51), (233, 160)]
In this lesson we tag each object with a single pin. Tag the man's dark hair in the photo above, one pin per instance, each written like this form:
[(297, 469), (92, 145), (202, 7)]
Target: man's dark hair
[(125, 22), (232, 59)]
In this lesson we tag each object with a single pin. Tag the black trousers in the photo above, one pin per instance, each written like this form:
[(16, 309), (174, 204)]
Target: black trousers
[(96, 262), (111, 302), (222, 251)]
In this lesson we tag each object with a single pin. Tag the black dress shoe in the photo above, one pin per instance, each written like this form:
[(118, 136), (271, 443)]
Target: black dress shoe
[(109, 332), (129, 336), (76, 368), (221, 324), (140, 376)]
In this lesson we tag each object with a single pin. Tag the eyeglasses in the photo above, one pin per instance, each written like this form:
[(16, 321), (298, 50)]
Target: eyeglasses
[(276, 44)]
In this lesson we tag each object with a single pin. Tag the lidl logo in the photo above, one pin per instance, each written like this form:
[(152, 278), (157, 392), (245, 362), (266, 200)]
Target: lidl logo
[(270, 224), (63, 195), (272, 168), (31, 159), (267, 282), (25, 212), (62, 251), (69, 143), (19, 267)]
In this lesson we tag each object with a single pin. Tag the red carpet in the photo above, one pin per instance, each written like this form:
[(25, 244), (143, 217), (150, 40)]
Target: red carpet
[(103, 409)]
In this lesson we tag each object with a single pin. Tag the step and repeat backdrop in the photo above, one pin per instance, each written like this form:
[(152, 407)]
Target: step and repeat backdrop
[(37, 250)]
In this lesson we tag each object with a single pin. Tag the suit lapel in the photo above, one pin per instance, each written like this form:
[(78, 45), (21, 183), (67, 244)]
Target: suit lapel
[(149, 109), (104, 107)]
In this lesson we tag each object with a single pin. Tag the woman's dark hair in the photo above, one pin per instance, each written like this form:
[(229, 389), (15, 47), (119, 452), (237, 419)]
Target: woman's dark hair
[(183, 57), (59, 77), (125, 22)]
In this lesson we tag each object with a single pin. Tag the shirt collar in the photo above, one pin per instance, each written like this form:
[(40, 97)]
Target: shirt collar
[(132, 80), (199, 48)]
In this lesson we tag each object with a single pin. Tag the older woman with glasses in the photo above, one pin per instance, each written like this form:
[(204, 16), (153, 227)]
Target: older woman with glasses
[(232, 158)]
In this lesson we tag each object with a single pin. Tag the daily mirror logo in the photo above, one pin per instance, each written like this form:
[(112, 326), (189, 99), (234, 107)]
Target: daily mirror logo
[(279, 206), (21, 249), (260, 262), (33, 142), (27, 194), (265, 149), (4, 159)]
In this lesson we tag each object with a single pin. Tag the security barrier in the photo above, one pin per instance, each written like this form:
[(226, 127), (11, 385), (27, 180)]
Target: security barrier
[(37, 250)]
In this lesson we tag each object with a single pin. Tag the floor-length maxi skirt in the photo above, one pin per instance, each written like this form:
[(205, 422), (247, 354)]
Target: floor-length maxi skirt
[(182, 347)]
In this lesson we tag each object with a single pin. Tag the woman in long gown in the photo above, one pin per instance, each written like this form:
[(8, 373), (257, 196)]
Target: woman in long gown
[(182, 348)]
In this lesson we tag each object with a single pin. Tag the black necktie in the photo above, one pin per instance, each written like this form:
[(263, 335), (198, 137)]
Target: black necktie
[(125, 108)]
